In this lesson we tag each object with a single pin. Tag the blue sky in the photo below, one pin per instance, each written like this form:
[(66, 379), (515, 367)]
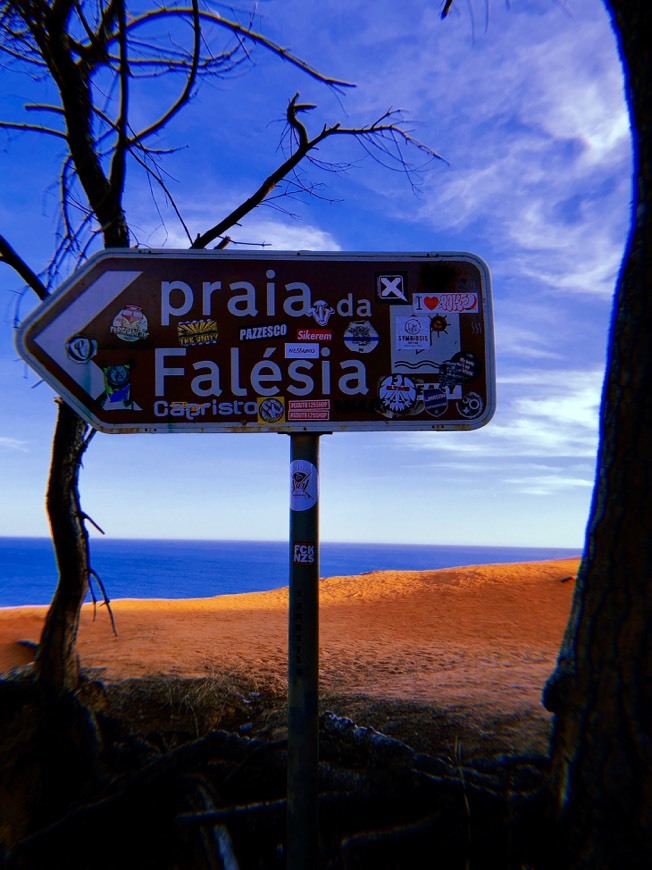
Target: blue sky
[(526, 104)]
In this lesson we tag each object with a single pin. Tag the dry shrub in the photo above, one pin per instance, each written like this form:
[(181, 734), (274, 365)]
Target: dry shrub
[(174, 709)]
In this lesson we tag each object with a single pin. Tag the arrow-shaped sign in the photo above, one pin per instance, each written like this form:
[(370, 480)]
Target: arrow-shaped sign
[(218, 341)]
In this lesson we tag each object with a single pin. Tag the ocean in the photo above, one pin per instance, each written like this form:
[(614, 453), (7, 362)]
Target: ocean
[(201, 569)]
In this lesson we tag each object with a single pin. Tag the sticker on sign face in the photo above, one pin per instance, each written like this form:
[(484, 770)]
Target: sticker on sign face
[(321, 312), (468, 366), (471, 406), (304, 485), (420, 343), (392, 288), (397, 395), (446, 303), (271, 410), (130, 324), (412, 333), (81, 349), (435, 402), (117, 388), (194, 332), (361, 337), (301, 350)]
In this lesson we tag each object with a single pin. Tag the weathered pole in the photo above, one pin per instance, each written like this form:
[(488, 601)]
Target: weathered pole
[(303, 653)]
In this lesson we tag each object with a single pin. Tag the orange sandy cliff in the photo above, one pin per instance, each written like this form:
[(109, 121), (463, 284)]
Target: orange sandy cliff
[(486, 635)]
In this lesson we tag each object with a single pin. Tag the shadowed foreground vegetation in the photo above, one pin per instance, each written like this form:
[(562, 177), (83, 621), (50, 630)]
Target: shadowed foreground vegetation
[(192, 774)]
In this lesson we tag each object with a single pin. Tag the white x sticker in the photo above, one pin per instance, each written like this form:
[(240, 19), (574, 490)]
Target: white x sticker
[(391, 287)]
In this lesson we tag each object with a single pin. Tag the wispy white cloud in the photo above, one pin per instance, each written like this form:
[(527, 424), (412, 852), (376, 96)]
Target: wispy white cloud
[(579, 95), (522, 476), (12, 444), (288, 236), (256, 231), (554, 481), (542, 414), (528, 342)]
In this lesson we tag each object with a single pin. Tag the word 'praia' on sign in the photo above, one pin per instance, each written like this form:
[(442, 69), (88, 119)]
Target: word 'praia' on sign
[(303, 376), (178, 299)]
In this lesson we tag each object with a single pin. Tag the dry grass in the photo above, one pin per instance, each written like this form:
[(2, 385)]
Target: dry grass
[(169, 710)]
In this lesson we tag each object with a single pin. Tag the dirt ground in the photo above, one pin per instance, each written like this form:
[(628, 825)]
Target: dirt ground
[(453, 657)]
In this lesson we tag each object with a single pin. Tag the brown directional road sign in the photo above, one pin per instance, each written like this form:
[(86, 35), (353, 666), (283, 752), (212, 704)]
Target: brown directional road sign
[(161, 341)]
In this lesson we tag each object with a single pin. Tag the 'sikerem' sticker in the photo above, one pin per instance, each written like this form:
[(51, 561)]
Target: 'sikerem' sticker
[(314, 335)]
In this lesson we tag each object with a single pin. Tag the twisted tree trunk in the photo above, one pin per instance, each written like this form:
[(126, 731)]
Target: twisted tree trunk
[(601, 690), (57, 661)]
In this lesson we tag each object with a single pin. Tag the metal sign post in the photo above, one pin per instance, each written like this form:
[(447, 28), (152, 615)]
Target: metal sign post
[(303, 653), (299, 342)]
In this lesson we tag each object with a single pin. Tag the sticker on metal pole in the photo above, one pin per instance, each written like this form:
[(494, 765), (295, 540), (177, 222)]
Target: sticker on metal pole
[(304, 485)]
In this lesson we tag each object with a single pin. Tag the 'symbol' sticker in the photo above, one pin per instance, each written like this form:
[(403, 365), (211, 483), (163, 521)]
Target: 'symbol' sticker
[(304, 485)]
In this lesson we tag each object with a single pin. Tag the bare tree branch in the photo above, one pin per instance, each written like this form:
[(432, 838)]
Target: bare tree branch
[(447, 8), (385, 136), (74, 40), (106, 602), (250, 35), (192, 78), (118, 164), (9, 256), (31, 128), (154, 175)]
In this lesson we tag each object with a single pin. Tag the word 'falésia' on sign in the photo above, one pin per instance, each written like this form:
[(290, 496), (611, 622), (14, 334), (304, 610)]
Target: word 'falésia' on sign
[(216, 341)]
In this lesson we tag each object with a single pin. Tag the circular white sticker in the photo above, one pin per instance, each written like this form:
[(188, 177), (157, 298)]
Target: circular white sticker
[(304, 485)]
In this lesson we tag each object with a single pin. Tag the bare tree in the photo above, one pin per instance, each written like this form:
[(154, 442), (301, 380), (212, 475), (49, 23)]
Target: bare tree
[(95, 56)]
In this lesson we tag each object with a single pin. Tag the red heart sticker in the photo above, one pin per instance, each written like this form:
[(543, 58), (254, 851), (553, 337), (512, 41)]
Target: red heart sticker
[(431, 302)]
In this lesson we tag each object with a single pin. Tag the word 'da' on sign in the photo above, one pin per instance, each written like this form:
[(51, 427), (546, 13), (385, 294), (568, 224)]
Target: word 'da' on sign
[(214, 341)]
